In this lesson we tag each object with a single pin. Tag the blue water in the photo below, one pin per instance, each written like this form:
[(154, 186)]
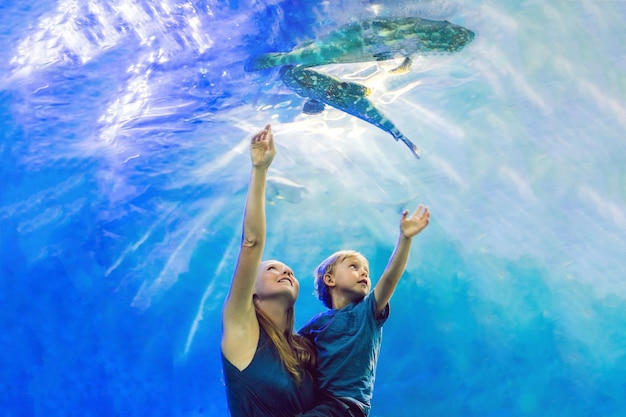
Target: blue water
[(123, 169)]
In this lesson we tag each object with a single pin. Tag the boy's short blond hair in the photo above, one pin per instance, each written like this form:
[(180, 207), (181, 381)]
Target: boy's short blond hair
[(326, 267)]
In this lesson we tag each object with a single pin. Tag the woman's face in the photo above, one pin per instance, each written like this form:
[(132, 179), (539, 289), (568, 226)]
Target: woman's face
[(275, 279)]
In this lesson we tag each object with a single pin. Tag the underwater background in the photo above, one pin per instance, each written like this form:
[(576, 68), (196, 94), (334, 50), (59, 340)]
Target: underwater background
[(124, 129)]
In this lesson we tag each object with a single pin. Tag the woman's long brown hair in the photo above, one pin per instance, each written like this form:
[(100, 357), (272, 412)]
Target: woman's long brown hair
[(296, 352)]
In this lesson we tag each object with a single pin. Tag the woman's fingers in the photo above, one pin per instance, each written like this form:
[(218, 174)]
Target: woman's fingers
[(265, 134)]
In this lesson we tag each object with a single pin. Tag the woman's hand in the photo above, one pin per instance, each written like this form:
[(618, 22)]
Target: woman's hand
[(262, 150)]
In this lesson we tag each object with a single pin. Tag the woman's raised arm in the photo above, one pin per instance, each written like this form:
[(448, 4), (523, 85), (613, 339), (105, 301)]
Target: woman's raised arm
[(240, 326)]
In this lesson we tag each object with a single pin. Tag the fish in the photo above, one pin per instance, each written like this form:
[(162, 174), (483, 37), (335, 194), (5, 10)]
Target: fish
[(377, 39), (282, 188), (320, 89)]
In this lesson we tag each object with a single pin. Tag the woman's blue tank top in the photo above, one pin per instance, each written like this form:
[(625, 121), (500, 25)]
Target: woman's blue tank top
[(265, 388)]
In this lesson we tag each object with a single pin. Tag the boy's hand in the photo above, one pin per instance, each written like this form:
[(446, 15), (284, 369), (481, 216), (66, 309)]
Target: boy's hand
[(412, 225), (262, 150)]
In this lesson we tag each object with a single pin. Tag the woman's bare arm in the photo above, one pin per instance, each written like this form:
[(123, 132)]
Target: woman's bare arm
[(240, 326)]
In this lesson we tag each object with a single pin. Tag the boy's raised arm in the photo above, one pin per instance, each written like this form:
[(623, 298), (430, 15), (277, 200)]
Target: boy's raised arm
[(409, 227)]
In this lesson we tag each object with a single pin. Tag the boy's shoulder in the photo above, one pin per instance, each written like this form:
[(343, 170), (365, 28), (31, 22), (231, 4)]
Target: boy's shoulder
[(318, 321), (323, 319)]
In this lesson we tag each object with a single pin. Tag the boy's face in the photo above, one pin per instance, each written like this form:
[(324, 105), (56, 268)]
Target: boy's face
[(351, 277)]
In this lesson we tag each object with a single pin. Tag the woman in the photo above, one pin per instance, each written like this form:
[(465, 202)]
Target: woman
[(266, 366)]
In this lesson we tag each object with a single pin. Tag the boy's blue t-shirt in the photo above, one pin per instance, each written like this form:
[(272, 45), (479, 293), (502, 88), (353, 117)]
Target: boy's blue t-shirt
[(347, 342)]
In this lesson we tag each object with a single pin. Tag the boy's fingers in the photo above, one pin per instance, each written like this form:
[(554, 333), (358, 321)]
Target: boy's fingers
[(417, 211)]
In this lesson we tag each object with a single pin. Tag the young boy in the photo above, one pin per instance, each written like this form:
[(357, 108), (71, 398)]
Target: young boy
[(347, 337)]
